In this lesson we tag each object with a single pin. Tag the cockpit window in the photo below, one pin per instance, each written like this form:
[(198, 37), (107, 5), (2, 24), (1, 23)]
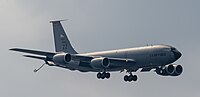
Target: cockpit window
[(173, 48)]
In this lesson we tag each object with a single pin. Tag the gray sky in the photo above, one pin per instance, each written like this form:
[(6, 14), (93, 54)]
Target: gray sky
[(97, 25)]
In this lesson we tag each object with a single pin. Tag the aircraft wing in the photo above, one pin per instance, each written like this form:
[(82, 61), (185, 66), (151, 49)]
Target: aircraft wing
[(35, 57), (112, 60), (82, 58), (76, 57), (147, 69), (122, 60), (36, 52), (33, 52)]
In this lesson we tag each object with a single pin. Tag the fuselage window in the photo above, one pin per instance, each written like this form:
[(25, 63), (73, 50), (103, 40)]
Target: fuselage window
[(157, 54)]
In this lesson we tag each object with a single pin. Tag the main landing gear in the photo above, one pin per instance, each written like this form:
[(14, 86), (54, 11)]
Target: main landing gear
[(103, 75), (130, 78)]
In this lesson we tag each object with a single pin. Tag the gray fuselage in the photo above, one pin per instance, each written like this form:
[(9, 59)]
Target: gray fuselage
[(147, 56)]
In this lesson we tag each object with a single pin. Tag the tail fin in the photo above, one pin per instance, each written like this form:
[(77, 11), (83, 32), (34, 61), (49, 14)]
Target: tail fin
[(62, 43)]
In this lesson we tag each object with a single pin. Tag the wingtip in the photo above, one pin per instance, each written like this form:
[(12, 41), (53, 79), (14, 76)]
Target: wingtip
[(13, 49), (25, 55)]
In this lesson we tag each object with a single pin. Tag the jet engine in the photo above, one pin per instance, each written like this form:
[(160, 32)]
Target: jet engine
[(62, 58), (100, 63), (178, 70), (169, 70)]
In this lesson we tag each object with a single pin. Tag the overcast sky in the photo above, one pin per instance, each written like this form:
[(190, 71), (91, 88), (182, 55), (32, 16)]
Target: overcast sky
[(96, 25)]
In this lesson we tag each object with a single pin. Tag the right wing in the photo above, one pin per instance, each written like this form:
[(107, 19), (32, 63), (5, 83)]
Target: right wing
[(83, 58)]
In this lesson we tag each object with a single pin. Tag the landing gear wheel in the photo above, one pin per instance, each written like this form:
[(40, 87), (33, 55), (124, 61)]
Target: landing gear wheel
[(103, 75), (99, 75), (130, 78), (134, 78), (107, 75), (126, 78)]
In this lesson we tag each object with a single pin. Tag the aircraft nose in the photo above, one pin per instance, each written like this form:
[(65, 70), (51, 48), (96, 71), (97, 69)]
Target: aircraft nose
[(177, 54)]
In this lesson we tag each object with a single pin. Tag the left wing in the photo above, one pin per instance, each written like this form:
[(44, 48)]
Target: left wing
[(48, 56), (36, 52)]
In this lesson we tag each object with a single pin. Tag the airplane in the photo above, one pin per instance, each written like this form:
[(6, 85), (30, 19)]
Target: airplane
[(159, 58)]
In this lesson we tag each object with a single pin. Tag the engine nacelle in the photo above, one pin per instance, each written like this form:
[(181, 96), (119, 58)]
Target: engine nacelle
[(161, 71), (178, 70), (100, 63), (170, 70), (62, 58)]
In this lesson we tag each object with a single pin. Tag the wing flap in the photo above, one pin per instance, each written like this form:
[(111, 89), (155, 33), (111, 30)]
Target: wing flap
[(122, 60), (35, 57), (113, 61), (82, 58)]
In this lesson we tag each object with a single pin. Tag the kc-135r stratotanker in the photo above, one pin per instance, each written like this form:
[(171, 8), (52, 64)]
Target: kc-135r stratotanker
[(160, 58)]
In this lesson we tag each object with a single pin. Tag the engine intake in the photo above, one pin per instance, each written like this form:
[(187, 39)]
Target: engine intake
[(100, 63), (170, 70), (68, 58), (178, 70), (62, 58)]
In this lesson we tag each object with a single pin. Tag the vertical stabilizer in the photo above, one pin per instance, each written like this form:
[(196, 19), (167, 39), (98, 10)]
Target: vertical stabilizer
[(62, 43)]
